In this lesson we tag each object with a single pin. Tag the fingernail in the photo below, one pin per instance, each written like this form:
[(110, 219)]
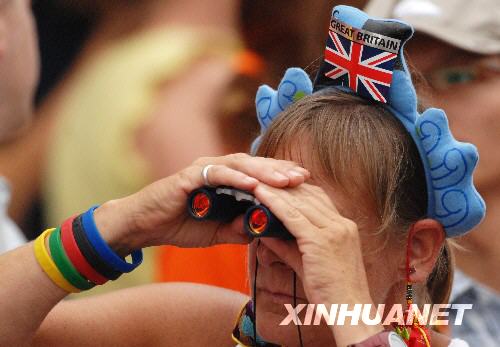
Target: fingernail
[(280, 176), (294, 173), (304, 172)]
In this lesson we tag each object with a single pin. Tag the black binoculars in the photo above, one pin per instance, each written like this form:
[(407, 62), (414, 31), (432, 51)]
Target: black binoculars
[(226, 203)]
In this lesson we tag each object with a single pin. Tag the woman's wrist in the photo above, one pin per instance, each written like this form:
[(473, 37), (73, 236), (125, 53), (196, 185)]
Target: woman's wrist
[(353, 332), (349, 334), (113, 222)]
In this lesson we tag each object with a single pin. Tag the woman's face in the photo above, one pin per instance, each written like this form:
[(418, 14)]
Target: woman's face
[(19, 65), (275, 278)]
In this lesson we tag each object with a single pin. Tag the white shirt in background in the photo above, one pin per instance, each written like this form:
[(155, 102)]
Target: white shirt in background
[(10, 235)]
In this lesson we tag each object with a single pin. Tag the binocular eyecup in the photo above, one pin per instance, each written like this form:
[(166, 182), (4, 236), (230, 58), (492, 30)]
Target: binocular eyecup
[(226, 203)]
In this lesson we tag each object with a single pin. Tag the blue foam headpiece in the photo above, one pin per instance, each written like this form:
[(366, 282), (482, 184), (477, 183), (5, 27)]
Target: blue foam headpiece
[(364, 55)]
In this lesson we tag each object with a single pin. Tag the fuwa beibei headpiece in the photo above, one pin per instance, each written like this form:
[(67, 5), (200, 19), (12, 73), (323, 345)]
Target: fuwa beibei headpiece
[(364, 56)]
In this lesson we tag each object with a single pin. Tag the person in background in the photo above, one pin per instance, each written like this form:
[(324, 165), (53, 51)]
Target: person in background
[(62, 30), (19, 75), (457, 48)]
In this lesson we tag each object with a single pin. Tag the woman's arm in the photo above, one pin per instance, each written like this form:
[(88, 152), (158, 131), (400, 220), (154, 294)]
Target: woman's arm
[(169, 314), (26, 296), (153, 216)]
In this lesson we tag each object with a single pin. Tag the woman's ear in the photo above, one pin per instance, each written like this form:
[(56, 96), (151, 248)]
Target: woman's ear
[(425, 241)]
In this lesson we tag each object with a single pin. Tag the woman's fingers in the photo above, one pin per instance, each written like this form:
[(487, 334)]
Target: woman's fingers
[(295, 221), (222, 175), (277, 173), (313, 202), (293, 206)]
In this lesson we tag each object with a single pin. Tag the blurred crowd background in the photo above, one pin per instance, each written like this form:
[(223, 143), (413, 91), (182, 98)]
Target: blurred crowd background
[(132, 91)]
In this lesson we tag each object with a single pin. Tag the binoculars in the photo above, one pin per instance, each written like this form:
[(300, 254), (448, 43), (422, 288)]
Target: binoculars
[(224, 204)]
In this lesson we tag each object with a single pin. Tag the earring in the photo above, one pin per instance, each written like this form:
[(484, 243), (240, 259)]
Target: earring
[(409, 294), (414, 334), (404, 330), (409, 287)]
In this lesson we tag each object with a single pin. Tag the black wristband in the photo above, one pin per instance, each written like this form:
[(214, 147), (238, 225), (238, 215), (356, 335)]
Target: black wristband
[(90, 254)]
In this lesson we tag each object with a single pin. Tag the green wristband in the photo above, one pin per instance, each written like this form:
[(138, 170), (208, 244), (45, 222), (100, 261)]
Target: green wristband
[(64, 264)]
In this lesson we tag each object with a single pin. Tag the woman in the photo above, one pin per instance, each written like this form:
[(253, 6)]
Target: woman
[(359, 222), (327, 258)]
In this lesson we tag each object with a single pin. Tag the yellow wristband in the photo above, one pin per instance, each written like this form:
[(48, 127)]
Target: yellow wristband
[(48, 265)]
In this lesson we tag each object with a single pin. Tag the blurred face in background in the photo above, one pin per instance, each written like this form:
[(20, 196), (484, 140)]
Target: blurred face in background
[(19, 65), (467, 87)]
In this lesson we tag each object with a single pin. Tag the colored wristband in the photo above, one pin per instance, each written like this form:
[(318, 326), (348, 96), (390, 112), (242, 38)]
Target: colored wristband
[(90, 254), (64, 264), (102, 248), (47, 264), (75, 255)]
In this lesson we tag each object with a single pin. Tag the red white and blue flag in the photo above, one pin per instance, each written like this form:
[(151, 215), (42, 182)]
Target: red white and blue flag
[(360, 60)]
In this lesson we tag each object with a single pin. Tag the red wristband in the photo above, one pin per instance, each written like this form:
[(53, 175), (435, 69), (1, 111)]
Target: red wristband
[(76, 256)]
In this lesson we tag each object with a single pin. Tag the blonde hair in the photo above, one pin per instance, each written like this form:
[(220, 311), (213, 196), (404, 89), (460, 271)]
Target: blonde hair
[(362, 147)]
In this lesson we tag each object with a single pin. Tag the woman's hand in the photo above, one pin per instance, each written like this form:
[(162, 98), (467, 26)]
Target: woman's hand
[(327, 253), (157, 214)]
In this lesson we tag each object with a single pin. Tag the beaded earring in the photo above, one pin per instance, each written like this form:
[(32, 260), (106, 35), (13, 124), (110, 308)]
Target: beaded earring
[(414, 334)]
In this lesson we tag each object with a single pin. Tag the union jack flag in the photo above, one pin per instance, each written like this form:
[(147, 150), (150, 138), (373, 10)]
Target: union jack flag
[(364, 69)]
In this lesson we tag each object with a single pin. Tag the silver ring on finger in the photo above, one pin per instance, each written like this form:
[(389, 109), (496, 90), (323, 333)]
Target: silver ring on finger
[(204, 174)]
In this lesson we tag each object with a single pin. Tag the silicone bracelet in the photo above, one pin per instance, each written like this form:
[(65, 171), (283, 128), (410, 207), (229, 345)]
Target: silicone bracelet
[(47, 264), (90, 254), (75, 255), (64, 264), (102, 248)]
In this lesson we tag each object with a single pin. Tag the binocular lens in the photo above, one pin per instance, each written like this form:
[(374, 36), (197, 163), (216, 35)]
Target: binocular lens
[(258, 221), (200, 205)]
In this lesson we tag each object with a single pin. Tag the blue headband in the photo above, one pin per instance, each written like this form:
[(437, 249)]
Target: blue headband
[(365, 56)]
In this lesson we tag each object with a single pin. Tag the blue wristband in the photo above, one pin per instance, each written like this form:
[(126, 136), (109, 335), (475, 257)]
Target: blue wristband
[(102, 248)]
